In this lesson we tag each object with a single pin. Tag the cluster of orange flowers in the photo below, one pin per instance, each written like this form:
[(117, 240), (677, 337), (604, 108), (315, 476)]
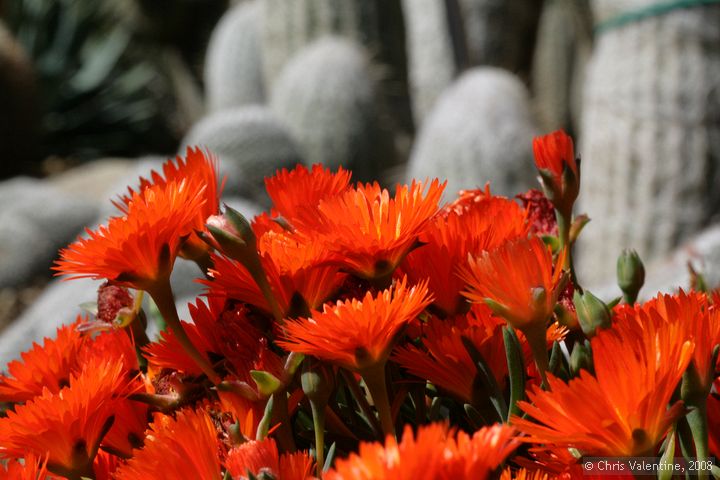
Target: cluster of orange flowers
[(345, 316)]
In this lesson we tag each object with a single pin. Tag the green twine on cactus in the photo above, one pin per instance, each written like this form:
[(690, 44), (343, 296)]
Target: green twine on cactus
[(650, 11)]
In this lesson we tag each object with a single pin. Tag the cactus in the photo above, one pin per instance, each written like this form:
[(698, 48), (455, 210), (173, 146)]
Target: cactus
[(478, 132), (289, 25), (326, 96), (651, 135), (500, 33), (430, 53), (561, 52), (251, 144), (233, 64)]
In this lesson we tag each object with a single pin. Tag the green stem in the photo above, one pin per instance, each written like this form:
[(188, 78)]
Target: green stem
[(536, 337), (258, 274), (697, 419), (374, 377), (361, 400), (163, 297), (318, 413), (564, 221)]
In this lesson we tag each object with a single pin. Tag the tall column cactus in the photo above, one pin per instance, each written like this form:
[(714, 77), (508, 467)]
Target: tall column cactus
[(651, 132)]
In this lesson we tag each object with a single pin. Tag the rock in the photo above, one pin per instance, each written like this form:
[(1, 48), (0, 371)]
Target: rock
[(251, 144), (37, 219), (650, 134), (480, 131), (430, 53), (326, 97), (233, 64), (93, 180), (57, 305)]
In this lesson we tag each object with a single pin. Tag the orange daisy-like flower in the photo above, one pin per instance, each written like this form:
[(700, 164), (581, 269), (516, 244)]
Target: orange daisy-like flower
[(32, 468), (43, 367), (698, 319), (357, 333), (636, 373), (368, 232), (69, 425), (221, 332), (254, 458), (446, 363), (435, 453), (448, 239), (517, 280), (198, 168), (299, 189), (555, 160), (185, 446), (139, 249), (295, 265), (524, 474)]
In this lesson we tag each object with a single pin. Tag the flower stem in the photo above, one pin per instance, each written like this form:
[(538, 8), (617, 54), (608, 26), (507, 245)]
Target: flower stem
[(361, 400), (163, 297), (536, 337), (318, 413), (697, 419), (374, 377)]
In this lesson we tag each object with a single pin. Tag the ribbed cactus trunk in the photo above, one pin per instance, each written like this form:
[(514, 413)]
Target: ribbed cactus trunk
[(651, 134), (289, 25)]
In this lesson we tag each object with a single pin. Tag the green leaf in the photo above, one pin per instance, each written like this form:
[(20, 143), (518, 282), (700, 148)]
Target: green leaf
[(329, 458)]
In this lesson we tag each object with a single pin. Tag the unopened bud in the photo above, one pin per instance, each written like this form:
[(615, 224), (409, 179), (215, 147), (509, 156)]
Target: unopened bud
[(581, 359), (317, 380), (630, 274), (592, 313)]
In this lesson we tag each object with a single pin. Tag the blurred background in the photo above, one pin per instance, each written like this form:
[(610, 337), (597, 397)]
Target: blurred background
[(94, 93)]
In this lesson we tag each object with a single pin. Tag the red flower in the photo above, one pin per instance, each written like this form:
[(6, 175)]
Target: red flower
[(357, 333), (435, 453), (69, 425), (185, 446), (299, 189), (447, 241), (555, 159), (518, 281), (368, 232), (199, 169), (262, 457), (139, 249), (636, 372)]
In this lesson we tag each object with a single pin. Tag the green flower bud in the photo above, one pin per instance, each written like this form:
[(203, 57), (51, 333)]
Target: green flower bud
[(630, 274), (592, 313)]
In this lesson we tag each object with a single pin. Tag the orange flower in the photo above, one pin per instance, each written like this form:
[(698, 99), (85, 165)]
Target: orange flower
[(68, 426), (698, 320), (637, 371), (32, 468), (295, 265), (139, 249), (368, 232), (221, 332), (447, 364), (435, 453), (517, 280), (185, 446), (299, 189), (357, 333), (524, 474), (447, 240), (199, 169), (555, 159), (253, 458), (47, 367)]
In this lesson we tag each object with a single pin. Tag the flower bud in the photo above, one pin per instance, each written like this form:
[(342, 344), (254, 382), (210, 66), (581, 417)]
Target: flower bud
[(581, 358), (630, 274), (317, 380), (592, 313)]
